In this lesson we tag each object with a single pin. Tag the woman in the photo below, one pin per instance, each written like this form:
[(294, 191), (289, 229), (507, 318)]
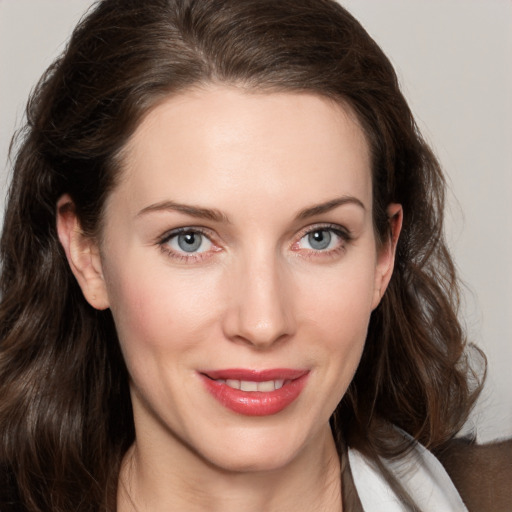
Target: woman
[(224, 278)]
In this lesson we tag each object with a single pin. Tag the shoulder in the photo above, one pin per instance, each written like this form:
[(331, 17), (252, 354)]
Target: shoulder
[(481, 473)]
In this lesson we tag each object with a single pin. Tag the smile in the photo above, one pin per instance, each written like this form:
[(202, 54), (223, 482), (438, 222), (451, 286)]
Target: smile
[(253, 392)]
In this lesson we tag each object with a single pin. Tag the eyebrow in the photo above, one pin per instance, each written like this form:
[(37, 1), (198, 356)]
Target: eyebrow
[(194, 211), (218, 216), (328, 206)]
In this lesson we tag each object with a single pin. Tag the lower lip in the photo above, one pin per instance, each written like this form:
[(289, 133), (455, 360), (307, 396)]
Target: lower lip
[(256, 403)]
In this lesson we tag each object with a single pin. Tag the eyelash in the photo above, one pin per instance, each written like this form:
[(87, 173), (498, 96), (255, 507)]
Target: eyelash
[(182, 256), (343, 234)]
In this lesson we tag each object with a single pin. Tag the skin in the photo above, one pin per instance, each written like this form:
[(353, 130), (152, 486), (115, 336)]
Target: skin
[(256, 295)]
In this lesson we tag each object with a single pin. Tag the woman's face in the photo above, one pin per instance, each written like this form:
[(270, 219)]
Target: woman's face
[(238, 251)]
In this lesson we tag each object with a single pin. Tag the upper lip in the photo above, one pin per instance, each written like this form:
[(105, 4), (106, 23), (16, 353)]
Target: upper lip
[(256, 375)]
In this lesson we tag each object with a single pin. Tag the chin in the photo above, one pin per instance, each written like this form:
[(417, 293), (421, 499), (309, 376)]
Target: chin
[(250, 451), (244, 462)]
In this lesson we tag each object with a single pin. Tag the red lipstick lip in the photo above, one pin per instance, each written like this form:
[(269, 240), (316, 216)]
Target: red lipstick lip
[(255, 403)]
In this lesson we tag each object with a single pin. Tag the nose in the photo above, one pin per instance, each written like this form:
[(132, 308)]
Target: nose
[(260, 306)]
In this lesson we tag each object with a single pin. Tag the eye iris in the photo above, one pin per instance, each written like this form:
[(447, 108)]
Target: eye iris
[(319, 239), (190, 242)]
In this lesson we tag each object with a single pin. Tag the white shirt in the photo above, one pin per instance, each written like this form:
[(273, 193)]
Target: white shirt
[(419, 472)]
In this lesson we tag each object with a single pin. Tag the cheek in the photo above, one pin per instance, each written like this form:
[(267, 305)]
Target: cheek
[(158, 312), (339, 298), (335, 317)]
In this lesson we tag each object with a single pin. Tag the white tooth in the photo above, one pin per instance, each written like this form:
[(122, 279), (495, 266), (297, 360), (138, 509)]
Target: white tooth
[(247, 385), (221, 381), (279, 384), (266, 386), (235, 384)]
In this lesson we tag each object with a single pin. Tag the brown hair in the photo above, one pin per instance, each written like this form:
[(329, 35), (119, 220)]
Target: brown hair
[(65, 412)]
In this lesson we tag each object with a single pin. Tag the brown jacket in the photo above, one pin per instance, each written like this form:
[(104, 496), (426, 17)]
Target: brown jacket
[(481, 473)]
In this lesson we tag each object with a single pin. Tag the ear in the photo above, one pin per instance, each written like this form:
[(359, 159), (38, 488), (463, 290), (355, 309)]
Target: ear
[(386, 254), (82, 253)]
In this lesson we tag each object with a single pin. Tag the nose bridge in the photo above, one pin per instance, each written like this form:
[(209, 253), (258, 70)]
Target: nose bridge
[(261, 309)]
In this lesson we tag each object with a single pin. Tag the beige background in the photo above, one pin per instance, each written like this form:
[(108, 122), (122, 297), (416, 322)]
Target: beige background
[(453, 59)]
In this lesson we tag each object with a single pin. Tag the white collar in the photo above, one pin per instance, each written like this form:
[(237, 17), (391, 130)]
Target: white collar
[(419, 472)]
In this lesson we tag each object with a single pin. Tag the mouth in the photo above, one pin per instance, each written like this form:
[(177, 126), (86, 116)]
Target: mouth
[(255, 392)]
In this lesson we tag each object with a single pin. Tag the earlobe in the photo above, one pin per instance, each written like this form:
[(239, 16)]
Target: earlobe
[(386, 256), (82, 254)]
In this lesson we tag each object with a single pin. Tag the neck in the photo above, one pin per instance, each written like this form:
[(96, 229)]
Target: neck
[(309, 482)]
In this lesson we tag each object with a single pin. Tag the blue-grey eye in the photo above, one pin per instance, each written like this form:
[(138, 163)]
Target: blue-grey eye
[(190, 242), (319, 239)]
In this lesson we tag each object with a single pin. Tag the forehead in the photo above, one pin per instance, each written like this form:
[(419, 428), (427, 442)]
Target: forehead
[(230, 142)]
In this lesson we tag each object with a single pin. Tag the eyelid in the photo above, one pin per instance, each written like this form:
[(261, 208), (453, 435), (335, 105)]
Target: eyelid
[(179, 231), (343, 233), (163, 240), (335, 228)]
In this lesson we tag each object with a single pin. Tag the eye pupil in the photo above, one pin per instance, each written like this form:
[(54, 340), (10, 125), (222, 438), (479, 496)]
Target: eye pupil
[(320, 239), (190, 242)]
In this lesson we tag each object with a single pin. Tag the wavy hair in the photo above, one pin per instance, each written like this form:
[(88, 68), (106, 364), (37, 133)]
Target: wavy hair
[(65, 413)]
